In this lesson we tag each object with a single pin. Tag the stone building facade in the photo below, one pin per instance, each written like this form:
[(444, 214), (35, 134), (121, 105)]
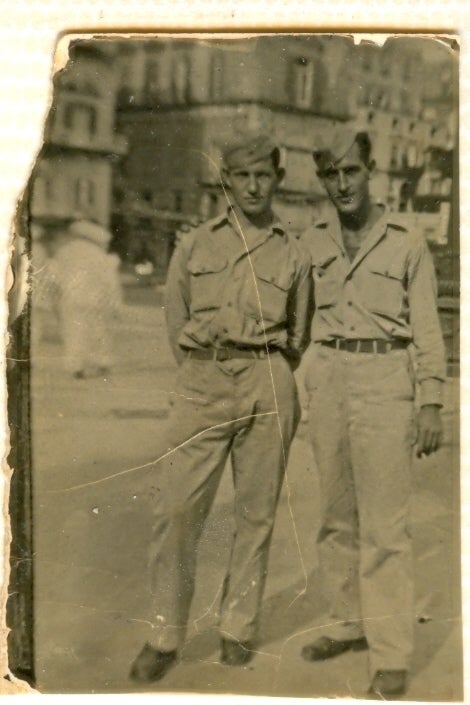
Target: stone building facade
[(181, 100), (73, 174), (184, 99)]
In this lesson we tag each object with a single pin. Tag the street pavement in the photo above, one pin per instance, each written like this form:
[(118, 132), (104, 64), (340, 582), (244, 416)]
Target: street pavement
[(94, 481)]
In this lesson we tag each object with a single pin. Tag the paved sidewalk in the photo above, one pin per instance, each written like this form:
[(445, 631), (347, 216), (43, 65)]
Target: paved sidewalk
[(92, 533)]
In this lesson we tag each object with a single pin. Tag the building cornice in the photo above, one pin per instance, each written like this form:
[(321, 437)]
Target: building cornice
[(209, 107)]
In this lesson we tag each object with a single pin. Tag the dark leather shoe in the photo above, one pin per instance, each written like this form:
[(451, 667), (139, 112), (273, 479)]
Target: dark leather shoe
[(325, 648), (388, 684), (151, 664), (236, 653)]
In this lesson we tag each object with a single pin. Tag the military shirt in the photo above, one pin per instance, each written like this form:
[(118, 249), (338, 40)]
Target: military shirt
[(387, 292), (230, 283)]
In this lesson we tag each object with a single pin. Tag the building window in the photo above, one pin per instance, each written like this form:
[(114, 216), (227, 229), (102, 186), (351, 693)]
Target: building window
[(81, 118), (366, 60), (152, 78), (412, 155), (394, 157), (48, 188), (43, 191), (382, 99), (407, 63), (181, 79), (385, 68), (405, 101), (303, 82), (84, 193), (217, 75)]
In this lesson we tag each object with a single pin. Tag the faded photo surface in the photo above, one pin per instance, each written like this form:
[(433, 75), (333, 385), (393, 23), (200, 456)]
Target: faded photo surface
[(236, 378)]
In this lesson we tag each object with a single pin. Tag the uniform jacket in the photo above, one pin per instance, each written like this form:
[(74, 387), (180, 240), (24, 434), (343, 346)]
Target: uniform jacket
[(387, 292), (230, 283)]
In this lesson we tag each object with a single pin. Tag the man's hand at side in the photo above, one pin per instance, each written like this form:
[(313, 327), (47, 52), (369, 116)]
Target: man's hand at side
[(430, 430)]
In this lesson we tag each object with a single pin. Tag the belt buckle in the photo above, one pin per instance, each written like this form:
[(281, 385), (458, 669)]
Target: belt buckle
[(222, 355)]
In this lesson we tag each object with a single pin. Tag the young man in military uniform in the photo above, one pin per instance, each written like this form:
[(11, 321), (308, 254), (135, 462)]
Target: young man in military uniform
[(238, 299), (375, 300)]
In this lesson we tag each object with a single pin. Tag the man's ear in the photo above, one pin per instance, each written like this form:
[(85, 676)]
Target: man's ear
[(280, 174), (371, 166)]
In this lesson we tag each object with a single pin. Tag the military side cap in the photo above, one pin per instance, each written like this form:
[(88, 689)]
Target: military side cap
[(330, 150), (249, 149)]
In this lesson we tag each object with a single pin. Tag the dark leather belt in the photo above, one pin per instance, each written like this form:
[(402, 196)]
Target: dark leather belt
[(365, 346), (221, 354)]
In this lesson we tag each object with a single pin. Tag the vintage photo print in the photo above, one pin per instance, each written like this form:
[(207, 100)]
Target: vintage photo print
[(233, 378)]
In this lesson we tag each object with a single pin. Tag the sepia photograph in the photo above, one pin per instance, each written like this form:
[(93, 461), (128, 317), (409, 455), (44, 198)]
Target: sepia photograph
[(233, 379)]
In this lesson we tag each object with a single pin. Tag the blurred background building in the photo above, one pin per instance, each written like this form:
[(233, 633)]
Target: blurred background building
[(136, 127), (75, 168)]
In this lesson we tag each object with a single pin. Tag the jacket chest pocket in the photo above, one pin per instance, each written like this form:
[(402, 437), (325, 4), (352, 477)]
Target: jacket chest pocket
[(272, 290), (207, 281), (385, 289), (326, 286)]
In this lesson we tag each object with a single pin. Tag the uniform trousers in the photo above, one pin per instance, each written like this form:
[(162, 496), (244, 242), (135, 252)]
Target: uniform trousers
[(246, 409), (361, 415)]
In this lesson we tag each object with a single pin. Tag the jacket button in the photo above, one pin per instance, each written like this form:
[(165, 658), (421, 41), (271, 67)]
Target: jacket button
[(350, 303)]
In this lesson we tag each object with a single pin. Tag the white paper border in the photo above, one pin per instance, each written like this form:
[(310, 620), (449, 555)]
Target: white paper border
[(29, 34)]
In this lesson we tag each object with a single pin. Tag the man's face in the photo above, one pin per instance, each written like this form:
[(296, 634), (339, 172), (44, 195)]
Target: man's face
[(253, 185), (347, 182)]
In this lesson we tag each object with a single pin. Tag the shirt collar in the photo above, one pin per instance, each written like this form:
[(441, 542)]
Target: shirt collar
[(236, 218), (331, 218)]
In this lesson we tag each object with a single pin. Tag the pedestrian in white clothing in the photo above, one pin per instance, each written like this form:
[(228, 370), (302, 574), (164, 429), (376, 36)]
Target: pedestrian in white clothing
[(90, 298)]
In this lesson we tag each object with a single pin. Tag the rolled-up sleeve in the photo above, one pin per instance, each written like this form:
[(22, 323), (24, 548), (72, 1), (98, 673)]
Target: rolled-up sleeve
[(425, 325), (177, 295)]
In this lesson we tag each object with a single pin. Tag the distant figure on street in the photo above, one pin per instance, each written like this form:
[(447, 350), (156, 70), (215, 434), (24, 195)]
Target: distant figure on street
[(45, 322), (238, 298), (89, 297), (375, 299)]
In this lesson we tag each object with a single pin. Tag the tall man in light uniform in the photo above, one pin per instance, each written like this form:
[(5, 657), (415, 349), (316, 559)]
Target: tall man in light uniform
[(238, 300), (375, 299)]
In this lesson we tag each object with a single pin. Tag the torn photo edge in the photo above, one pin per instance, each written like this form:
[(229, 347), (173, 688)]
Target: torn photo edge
[(18, 379)]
